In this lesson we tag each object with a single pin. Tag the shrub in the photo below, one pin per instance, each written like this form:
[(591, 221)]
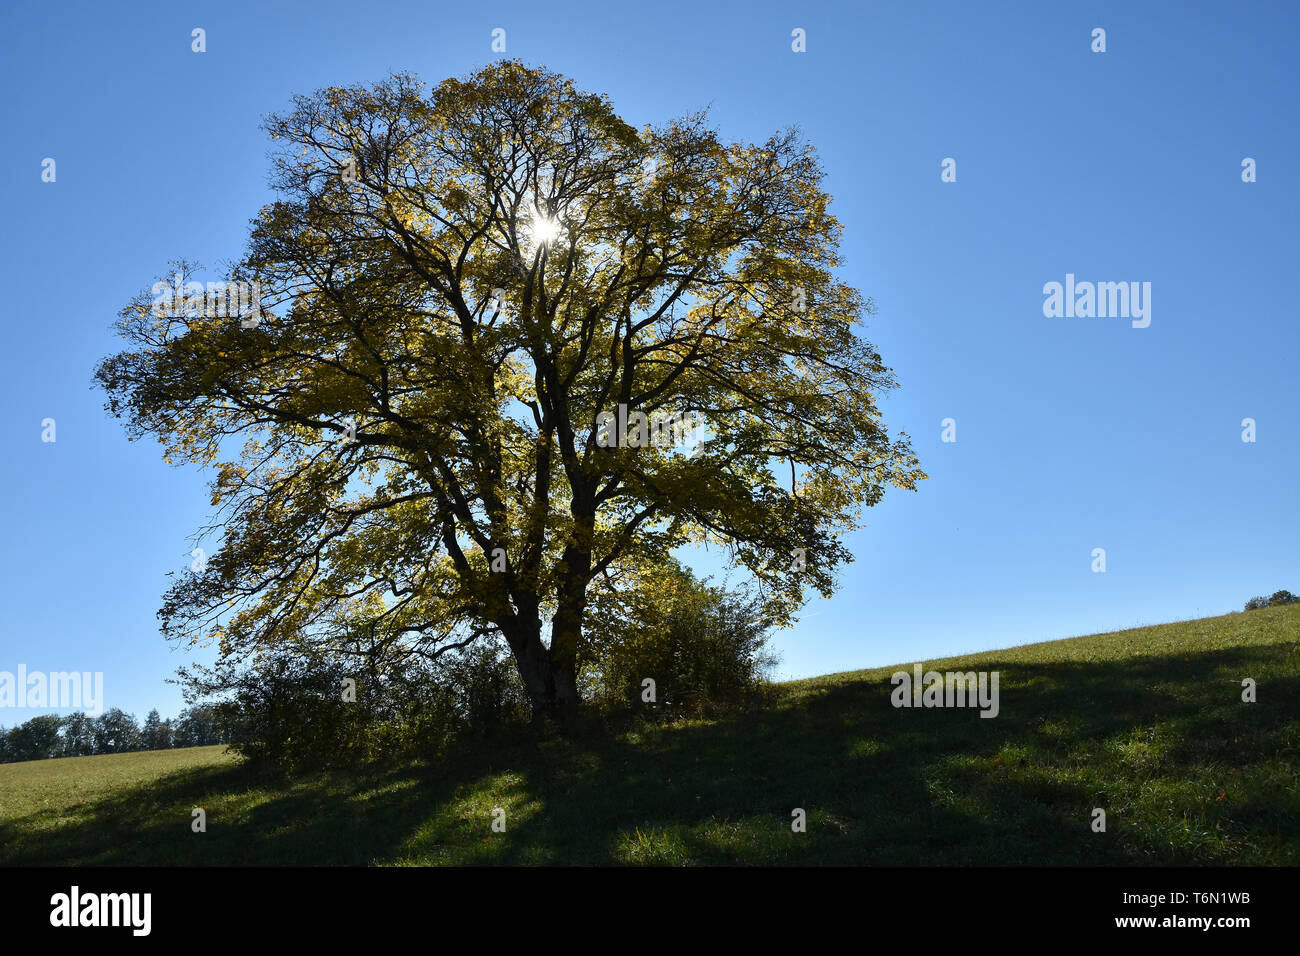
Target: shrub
[(1278, 598), (289, 713), (486, 692), (704, 647)]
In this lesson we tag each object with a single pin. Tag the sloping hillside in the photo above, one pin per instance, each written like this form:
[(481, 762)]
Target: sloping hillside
[(1147, 724)]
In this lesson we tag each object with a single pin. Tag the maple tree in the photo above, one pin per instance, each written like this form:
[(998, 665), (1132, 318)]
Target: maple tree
[(454, 285)]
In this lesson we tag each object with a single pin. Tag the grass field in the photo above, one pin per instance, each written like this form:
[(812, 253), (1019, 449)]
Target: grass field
[(1147, 724)]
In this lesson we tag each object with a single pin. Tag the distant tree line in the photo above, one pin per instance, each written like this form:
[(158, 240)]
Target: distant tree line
[(113, 732), (1279, 597)]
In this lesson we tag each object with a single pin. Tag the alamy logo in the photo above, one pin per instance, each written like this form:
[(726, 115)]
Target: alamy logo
[(952, 689), (102, 909), (1102, 300), (66, 690), (213, 300), (635, 429)]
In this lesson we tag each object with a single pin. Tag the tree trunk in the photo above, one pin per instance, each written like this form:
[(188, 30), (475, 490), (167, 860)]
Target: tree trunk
[(550, 674), (550, 680)]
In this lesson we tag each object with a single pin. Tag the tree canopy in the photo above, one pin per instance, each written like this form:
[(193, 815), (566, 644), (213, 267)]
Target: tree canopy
[(455, 288)]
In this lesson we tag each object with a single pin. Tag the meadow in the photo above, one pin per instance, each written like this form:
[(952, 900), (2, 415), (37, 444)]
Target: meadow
[(1147, 724)]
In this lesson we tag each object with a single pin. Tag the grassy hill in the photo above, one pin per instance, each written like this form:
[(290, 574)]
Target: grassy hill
[(1147, 724)]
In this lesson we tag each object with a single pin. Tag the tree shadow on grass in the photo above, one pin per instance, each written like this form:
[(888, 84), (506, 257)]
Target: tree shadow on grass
[(252, 818), (1154, 742), (1186, 772)]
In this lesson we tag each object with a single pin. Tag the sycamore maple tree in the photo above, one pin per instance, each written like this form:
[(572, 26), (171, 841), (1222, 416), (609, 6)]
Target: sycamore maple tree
[(455, 284)]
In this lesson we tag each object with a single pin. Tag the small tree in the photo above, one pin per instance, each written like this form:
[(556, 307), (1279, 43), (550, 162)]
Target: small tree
[(197, 727), (78, 735), (155, 735), (1256, 603), (1282, 597), (37, 739), (116, 732)]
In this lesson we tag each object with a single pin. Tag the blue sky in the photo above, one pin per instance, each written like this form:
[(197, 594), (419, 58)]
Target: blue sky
[(1072, 434)]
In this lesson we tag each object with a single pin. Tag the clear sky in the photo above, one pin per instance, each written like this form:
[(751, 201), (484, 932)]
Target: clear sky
[(1071, 433)]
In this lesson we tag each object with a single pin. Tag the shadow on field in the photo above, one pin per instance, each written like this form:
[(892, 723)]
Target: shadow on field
[(1186, 772)]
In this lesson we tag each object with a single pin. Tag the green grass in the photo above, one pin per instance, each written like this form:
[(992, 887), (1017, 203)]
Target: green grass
[(1147, 724)]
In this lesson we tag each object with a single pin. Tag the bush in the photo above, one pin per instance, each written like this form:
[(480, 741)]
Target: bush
[(704, 647), (486, 692), (1278, 598), (291, 714)]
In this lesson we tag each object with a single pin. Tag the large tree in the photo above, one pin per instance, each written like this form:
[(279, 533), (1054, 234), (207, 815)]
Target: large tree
[(458, 289)]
